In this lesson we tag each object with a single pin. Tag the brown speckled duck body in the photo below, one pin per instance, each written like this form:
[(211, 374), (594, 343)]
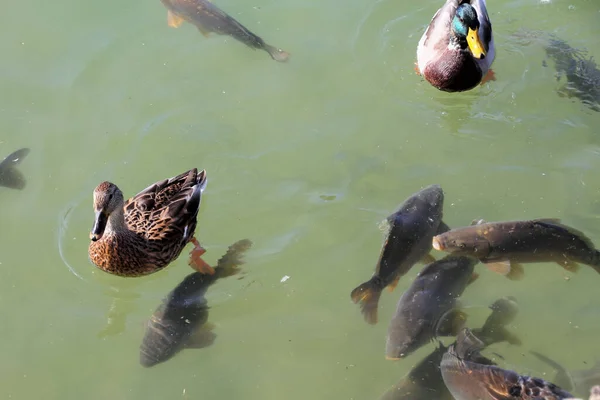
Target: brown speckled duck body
[(457, 49), (150, 230)]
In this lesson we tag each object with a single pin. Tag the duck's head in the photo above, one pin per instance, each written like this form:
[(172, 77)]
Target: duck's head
[(108, 198), (465, 27)]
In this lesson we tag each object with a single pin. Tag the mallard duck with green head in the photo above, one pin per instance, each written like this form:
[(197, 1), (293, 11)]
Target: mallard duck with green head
[(457, 49), (147, 232)]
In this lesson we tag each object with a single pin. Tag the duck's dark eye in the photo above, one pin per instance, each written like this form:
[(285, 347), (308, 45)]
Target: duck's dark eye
[(514, 391), (110, 197)]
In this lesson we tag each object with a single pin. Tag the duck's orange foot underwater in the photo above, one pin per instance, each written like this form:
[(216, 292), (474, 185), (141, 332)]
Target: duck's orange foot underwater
[(417, 69), (490, 76), (196, 262)]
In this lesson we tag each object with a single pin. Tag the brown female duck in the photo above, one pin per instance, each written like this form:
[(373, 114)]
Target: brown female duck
[(149, 231)]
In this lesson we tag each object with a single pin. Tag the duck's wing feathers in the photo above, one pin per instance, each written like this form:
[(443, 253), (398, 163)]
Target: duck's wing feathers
[(167, 209), (439, 27), (436, 37)]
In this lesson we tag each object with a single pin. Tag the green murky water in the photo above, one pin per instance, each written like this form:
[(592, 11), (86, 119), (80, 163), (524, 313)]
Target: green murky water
[(305, 159)]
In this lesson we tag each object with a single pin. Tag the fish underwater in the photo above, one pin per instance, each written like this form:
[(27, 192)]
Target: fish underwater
[(504, 311), (408, 241), (502, 246), (424, 381), (10, 176), (181, 320), (209, 18), (468, 375), (578, 381), (581, 72), (429, 307)]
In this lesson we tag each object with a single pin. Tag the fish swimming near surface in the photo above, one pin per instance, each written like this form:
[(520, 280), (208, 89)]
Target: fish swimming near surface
[(502, 246), (425, 382), (181, 320), (10, 176), (578, 381), (408, 241), (581, 72), (468, 375), (208, 18), (429, 307)]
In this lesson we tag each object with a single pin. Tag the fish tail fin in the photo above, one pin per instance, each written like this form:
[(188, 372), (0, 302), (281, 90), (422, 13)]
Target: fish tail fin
[(276, 53), (231, 261), (367, 294)]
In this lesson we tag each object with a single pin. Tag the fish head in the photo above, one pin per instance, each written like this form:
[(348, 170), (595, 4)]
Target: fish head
[(469, 241), (433, 197), (403, 340), (411, 325), (468, 380), (108, 198)]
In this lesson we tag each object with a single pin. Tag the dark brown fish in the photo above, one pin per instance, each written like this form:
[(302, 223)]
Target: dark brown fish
[(181, 320), (470, 376), (428, 308), (579, 381), (425, 382), (502, 246), (408, 240), (208, 18), (10, 176)]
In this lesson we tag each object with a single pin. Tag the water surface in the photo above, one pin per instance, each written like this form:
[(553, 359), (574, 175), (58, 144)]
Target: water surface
[(305, 159)]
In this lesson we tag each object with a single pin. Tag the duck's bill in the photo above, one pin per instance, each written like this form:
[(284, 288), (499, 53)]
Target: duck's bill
[(100, 222), (475, 45)]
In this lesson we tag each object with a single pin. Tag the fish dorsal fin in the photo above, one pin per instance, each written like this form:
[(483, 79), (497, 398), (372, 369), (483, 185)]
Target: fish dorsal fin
[(467, 344), (478, 222), (556, 223), (468, 348)]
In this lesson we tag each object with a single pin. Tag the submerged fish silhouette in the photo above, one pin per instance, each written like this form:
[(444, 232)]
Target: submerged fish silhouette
[(10, 176), (181, 320), (208, 18), (581, 72)]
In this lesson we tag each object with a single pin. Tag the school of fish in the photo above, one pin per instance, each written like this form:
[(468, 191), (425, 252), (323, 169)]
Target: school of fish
[(429, 309)]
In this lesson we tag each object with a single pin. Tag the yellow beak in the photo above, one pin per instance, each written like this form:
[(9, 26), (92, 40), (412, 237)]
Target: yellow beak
[(475, 44)]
